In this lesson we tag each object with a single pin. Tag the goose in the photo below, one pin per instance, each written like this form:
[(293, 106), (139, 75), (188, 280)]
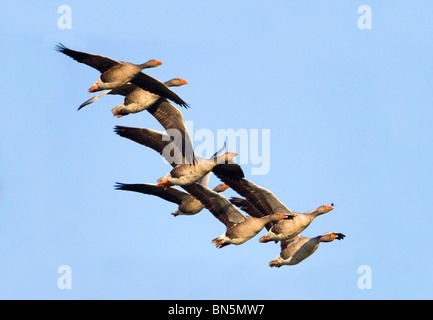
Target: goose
[(186, 167), (188, 205), (239, 228), (286, 229), (299, 248), (117, 73), (136, 99), (265, 203)]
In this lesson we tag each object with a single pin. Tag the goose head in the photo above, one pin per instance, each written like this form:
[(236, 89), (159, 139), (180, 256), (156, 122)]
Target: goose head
[(331, 236), (221, 187), (229, 156), (164, 182), (176, 82), (323, 209), (152, 63)]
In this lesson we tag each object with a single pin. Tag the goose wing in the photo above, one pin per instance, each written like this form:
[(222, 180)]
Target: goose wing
[(217, 204), (100, 63), (155, 86), (172, 194), (156, 140), (173, 122), (262, 199)]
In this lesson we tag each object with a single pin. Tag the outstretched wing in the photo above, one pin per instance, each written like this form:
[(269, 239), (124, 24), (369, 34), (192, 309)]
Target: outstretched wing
[(156, 140), (173, 122), (172, 194), (262, 199), (100, 63), (231, 171)]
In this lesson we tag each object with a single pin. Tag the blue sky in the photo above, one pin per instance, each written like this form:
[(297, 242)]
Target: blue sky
[(350, 118)]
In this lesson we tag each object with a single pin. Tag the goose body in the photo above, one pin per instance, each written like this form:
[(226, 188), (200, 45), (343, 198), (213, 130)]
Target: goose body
[(138, 99), (185, 174), (115, 74), (299, 248), (120, 74), (244, 231)]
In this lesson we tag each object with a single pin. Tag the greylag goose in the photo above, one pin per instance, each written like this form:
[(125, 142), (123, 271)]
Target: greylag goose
[(187, 168), (117, 73), (299, 248), (265, 203), (188, 205), (239, 228), (136, 99)]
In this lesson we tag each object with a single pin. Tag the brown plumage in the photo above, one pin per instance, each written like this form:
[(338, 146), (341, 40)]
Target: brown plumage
[(117, 73), (187, 204)]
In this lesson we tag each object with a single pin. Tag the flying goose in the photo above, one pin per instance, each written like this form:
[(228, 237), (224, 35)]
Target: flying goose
[(239, 228), (299, 248), (136, 99), (117, 73), (188, 205), (186, 167), (265, 203)]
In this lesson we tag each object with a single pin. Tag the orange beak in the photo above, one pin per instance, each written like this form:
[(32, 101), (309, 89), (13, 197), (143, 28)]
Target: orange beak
[(94, 88), (158, 63), (183, 81), (162, 182), (329, 208), (225, 186), (273, 263)]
